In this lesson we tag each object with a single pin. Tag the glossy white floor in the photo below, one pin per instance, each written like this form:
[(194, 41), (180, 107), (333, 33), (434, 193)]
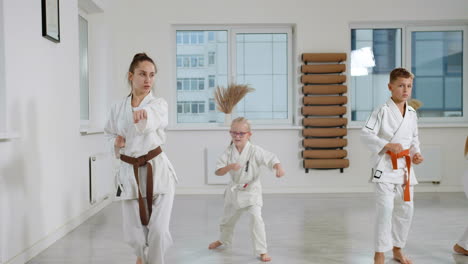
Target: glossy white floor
[(302, 228)]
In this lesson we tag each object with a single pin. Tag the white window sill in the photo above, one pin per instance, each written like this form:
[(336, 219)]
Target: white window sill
[(221, 127), (420, 125), (8, 135), (90, 131)]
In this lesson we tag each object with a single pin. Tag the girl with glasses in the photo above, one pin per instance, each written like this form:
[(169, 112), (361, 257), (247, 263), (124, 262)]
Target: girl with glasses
[(243, 161)]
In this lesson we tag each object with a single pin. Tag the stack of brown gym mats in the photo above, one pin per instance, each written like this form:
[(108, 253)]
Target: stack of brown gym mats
[(323, 76)]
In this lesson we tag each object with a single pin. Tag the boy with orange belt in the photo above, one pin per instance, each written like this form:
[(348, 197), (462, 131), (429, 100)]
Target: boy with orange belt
[(391, 134), (462, 245)]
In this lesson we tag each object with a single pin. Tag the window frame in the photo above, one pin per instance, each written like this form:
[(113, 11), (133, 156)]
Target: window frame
[(84, 123), (406, 29), (232, 30)]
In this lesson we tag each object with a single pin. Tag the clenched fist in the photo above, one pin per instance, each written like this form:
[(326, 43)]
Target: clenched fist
[(139, 115), (119, 142)]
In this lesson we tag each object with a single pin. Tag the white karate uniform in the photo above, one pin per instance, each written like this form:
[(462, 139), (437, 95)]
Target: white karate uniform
[(141, 138), (463, 242), (239, 197), (393, 216)]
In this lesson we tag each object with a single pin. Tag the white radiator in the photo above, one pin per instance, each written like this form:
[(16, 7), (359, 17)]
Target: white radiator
[(431, 168), (101, 177), (211, 156)]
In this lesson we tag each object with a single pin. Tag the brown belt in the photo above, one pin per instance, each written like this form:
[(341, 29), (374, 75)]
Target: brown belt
[(140, 162)]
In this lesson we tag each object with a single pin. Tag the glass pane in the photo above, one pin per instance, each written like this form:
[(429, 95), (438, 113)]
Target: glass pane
[(212, 105), (194, 108), (193, 61), (179, 61), (84, 74), (185, 38), (437, 59), (201, 108), (179, 37), (193, 84), (211, 35), (193, 38), (201, 84), (196, 71), (211, 81), (262, 62), (201, 37), (375, 53), (186, 84)]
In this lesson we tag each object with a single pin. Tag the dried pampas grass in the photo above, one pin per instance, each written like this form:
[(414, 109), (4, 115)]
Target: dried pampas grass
[(227, 98), (466, 147), (415, 103)]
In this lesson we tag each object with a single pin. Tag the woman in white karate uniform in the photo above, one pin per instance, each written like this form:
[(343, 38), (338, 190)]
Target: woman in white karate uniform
[(135, 129), (462, 245), (243, 161)]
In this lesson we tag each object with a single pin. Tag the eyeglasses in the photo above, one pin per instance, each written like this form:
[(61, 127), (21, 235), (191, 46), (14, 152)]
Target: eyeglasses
[(240, 134)]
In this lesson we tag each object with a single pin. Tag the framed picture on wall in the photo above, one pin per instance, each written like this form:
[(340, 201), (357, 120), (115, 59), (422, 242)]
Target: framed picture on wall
[(51, 20)]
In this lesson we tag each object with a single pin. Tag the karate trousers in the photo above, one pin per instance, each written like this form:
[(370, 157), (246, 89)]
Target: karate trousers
[(393, 216), (257, 226), (463, 242), (149, 242)]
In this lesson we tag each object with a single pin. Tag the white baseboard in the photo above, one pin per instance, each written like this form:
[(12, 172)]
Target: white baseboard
[(219, 189), (50, 239)]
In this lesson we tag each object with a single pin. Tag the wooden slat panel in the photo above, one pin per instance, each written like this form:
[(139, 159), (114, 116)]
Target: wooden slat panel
[(324, 89), (324, 100), (323, 110), (324, 154), (325, 142), (323, 57), (326, 163), (324, 132), (324, 68), (323, 78), (324, 122)]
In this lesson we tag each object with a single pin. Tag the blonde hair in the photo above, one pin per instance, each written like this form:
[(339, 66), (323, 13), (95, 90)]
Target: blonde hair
[(243, 120)]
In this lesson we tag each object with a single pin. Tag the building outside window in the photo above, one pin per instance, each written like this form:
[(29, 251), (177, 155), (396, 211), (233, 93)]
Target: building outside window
[(260, 57), (433, 53)]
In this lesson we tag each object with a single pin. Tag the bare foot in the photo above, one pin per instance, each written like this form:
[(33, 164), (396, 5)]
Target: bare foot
[(215, 244), (398, 256), (265, 257), (457, 248), (139, 261), (379, 258)]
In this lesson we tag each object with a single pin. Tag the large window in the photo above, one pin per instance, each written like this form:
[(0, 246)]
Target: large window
[(375, 52), (84, 72), (437, 62), (434, 54), (260, 57)]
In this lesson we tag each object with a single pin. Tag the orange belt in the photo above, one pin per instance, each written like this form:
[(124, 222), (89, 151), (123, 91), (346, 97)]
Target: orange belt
[(395, 156)]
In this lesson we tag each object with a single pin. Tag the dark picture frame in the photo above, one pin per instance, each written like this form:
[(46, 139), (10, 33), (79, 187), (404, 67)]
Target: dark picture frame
[(51, 20)]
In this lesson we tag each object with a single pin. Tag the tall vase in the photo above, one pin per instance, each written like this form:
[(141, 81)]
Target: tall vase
[(227, 119)]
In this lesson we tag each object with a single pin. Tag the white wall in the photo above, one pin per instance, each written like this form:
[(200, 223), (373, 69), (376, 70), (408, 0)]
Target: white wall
[(321, 26), (44, 173)]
